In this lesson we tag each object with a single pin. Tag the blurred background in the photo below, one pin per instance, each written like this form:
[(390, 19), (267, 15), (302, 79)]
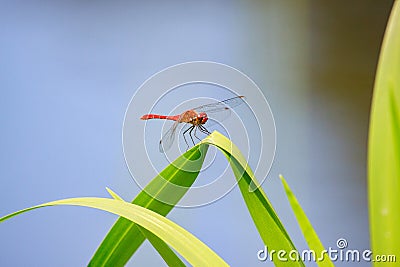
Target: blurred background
[(68, 70)]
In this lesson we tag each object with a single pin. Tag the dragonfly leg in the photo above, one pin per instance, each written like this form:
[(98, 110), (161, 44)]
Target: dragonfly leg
[(203, 129), (190, 134), (190, 128), (195, 133)]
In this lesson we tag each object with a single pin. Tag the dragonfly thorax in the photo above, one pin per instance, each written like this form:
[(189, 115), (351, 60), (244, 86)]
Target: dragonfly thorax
[(193, 117)]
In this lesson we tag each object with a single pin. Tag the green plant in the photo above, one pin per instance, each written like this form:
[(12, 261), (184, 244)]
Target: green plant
[(384, 145), (144, 218), (131, 230)]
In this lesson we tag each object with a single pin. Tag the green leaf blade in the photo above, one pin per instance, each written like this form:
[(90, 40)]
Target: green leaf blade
[(170, 185), (125, 237), (264, 217), (163, 249), (384, 146), (305, 225), (186, 244)]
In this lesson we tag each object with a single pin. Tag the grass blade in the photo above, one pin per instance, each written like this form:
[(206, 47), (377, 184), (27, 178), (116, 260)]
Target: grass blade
[(191, 248), (308, 231), (163, 249), (384, 145), (125, 237), (267, 222)]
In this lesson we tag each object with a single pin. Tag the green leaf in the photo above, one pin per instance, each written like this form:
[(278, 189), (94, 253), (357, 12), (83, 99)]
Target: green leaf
[(125, 237), (384, 145), (163, 249), (113, 194), (267, 222), (308, 231), (191, 248), (172, 183)]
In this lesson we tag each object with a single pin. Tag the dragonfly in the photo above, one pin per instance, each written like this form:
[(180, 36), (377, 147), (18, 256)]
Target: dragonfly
[(195, 118)]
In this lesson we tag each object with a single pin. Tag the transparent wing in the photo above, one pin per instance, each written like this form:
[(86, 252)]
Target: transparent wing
[(220, 106), (219, 110), (168, 138)]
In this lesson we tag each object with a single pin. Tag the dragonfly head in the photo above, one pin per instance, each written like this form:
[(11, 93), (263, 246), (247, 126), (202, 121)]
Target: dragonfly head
[(202, 117)]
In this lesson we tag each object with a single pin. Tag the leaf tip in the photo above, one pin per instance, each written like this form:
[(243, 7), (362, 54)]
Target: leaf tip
[(113, 194)]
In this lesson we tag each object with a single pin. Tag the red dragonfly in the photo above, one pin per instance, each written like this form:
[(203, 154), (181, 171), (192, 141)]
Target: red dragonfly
[(196, 118)]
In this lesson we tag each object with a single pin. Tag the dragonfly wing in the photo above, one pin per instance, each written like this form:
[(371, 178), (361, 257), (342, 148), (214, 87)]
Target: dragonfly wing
[(220, 106), (168, 138), (220, 110)]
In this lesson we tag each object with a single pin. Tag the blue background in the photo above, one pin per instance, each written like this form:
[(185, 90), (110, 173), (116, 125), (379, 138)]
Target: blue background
[(69, 68)]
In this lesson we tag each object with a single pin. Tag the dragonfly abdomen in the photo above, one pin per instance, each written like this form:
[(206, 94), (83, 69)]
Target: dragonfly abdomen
[(161, 117)]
